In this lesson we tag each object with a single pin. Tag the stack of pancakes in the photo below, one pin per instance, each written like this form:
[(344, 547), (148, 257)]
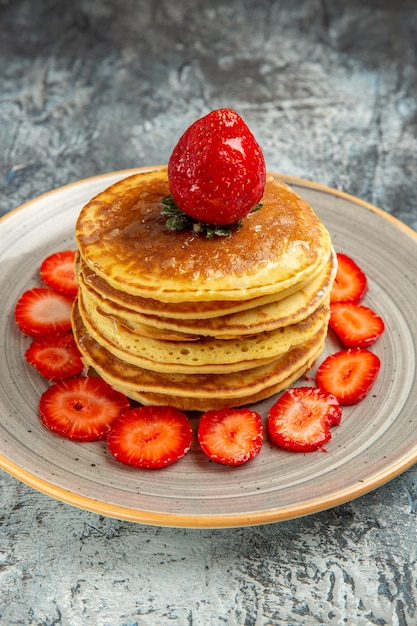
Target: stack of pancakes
[(174, 317)]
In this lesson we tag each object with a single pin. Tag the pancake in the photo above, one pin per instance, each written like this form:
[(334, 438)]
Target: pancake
[(289, 310), (197, 392), (182, 310), (173, 317), (206, 355), (122, 237)]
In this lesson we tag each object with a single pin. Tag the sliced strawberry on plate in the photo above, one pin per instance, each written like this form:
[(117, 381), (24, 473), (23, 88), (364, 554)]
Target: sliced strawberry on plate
[(81, 409), (356, 325), (55, 357), (57, 271), (217, 170), (150, 437), (231, 436), (350, 283), (348, 374), (43, 311), (301, 419)]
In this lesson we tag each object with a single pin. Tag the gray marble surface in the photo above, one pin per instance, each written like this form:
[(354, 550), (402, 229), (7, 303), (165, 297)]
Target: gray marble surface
[(330, 90)]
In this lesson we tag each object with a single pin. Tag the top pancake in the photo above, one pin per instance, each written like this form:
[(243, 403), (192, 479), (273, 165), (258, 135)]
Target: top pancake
[(122, 238)]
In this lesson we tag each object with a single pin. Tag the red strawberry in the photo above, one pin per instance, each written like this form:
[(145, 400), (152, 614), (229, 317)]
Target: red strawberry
[(217, 170), (57, 271), (348, 374), (150, 436), (350, 283), (56, 357), (43, 311), (231, 436), (301, 418), (357, 326), (81, 409)]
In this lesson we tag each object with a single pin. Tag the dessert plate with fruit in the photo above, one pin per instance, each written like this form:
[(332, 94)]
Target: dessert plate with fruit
[(294, 465)]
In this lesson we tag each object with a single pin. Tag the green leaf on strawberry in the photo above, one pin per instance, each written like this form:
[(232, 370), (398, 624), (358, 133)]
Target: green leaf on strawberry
[(178, 220)]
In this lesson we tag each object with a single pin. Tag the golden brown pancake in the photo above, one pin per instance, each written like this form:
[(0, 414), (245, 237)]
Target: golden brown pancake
[(122, 237), (209, 354), (269, 316), (184, 310), (178, 318), (197, 392)]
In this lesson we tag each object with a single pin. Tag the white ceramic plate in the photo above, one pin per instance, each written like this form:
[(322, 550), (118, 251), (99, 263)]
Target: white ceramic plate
[(376, 440)]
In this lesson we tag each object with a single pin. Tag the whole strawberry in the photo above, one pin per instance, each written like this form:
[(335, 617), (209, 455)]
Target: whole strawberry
[(217, 170)]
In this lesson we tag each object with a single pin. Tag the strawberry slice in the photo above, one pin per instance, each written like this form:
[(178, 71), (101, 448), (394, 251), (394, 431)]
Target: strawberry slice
[(57, 271), (356, 325), (301, 419), (230, 436), (350, 283), (55, 357), (150, 436), (81, 409), (43, 311), (348, 374), (217, 170)]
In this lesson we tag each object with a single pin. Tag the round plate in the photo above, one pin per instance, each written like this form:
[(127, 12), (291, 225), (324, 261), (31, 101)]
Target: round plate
[(375, 441)]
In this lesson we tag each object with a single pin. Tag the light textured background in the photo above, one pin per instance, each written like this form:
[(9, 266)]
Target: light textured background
[(330, 90)]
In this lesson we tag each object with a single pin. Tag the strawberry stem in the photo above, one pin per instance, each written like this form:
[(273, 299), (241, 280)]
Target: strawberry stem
[(178, 220)]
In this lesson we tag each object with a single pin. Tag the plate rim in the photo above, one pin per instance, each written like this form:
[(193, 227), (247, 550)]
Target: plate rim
[(177, 520), (181, 520)]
